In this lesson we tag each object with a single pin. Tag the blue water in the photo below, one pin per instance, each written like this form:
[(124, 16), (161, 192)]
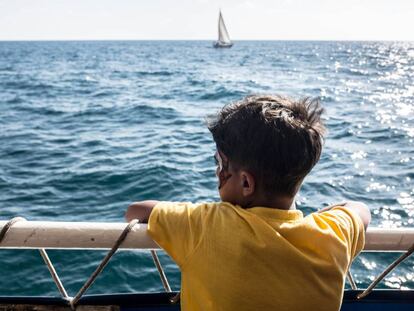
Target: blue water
[(88, 127)]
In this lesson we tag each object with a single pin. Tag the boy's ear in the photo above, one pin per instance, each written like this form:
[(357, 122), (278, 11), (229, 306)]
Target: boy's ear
[(248, 183)]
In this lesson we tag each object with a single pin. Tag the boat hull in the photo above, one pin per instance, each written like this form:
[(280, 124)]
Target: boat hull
[(379, 300), (219, 45)]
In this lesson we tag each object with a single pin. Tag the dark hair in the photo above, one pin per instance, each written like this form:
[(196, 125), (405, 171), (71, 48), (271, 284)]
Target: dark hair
[(277, 139)]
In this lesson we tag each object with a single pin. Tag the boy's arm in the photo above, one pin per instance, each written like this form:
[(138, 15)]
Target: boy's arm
[(357, 207), (175, 226), (140, 210)]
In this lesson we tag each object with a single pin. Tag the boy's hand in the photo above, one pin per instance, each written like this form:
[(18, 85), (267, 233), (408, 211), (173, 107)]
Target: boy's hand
[(325, 209), (140, 210), (358, 207)]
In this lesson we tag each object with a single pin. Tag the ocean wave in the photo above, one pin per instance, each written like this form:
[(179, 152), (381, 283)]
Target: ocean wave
[(159, 73), (220, 93)]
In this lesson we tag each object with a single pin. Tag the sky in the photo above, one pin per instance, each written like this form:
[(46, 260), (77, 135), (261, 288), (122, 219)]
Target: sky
[(197, 19)]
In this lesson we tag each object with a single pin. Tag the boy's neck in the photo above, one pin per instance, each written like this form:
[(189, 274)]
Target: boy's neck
[(283, 203)]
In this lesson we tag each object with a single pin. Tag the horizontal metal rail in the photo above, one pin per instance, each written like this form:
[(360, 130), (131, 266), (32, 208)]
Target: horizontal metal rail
[(74, 235), (93, 235)]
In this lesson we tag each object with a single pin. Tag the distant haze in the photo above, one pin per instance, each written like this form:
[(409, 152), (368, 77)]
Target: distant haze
[(197, 19)]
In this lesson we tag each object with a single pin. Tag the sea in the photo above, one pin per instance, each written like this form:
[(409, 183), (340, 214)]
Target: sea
[(88, 127)]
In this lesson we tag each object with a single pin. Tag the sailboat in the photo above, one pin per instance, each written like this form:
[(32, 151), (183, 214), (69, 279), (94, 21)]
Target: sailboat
[(223, 36)]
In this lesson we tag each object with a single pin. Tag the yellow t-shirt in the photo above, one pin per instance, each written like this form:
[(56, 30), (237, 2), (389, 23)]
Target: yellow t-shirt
[(257, 258)]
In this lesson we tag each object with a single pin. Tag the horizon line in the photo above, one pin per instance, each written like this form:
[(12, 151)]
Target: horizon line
[(209, 40)]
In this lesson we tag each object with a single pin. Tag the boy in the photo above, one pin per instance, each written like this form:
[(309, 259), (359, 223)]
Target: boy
[(254, 250)]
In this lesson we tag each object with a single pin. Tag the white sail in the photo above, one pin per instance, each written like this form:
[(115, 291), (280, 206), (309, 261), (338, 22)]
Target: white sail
[(222, 30)]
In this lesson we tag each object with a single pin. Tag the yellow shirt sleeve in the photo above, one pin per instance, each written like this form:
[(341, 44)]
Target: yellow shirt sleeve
[(348, 227), (177, 228)]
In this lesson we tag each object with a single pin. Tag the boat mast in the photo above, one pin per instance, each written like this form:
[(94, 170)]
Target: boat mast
[(218, 25)]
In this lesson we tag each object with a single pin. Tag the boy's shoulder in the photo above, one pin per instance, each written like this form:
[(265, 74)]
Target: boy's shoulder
[(341, 224), (192, 210)]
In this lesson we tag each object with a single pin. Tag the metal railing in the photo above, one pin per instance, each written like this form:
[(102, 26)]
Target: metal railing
[(102, 235)]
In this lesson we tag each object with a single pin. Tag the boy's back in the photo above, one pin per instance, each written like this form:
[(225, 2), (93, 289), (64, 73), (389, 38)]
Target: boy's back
[(257, 252), (258, 258)]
